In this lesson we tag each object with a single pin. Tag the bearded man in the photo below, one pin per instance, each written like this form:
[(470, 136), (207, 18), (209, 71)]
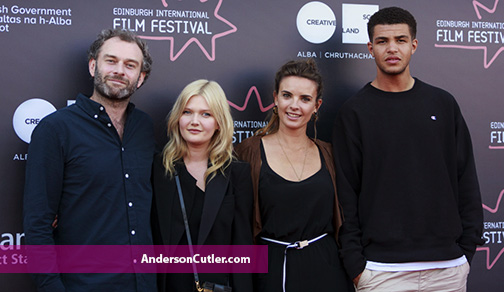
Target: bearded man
[(90, 166)]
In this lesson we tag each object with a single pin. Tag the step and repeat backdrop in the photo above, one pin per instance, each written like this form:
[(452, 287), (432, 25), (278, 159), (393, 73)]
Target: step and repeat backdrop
[(240, 44)]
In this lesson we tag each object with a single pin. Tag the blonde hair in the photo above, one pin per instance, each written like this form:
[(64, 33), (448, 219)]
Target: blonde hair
[(220, 149)]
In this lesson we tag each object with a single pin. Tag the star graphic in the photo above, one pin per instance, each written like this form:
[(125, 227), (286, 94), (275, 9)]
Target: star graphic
[(478, 5), (252, 89), (209, 54), (494, 210), (486, 63), (489, 263)]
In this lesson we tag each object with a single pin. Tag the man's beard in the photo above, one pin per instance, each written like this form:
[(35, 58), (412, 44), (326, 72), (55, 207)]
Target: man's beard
[(113, 93)]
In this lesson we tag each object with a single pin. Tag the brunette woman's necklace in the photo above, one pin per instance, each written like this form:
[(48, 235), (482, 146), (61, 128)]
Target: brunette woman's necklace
[(304, 161)]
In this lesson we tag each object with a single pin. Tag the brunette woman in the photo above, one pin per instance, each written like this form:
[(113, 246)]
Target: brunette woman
[(296, 210)]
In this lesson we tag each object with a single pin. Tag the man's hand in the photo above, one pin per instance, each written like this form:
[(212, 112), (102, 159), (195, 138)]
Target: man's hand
[(55, 222), (356, 279)]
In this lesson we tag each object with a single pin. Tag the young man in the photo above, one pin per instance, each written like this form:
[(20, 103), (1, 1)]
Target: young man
[(90, 166), (406, 175)]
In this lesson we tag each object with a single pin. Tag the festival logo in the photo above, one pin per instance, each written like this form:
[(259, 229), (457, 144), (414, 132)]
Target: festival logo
[(493, 235), (28, 115), (355, 19), (245, 129), (484, 33), (316, 22), (181, 23), (496, 136)]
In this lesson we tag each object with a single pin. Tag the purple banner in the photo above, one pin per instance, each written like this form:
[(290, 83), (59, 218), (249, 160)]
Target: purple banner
[(134, 259)]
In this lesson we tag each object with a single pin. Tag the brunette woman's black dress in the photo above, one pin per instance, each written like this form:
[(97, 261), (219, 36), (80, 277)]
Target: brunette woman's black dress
[(294, 211)]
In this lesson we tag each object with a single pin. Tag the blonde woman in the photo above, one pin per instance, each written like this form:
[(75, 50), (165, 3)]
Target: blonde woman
[(217, 189)]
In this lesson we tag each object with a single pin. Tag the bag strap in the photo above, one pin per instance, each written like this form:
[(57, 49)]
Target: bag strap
[(188, 233)]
